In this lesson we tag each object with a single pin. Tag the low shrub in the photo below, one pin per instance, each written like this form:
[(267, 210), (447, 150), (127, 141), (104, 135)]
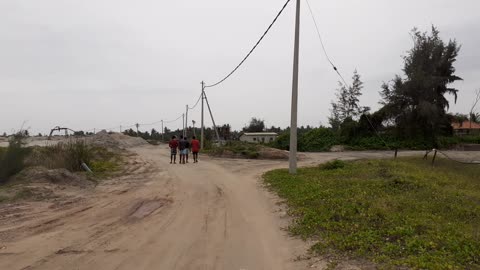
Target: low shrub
[(69, 155), (333, 165), (248, 150), (12, 159)]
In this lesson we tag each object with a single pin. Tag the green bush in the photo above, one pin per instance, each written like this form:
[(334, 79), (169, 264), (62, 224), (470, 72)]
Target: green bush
[(316, 140), (248, 150), (333, 165), (12, 159)]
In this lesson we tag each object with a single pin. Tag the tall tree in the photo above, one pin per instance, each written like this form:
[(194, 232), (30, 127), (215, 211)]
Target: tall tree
[(347, 104), (475, 117), (256, 125), (416, 104)]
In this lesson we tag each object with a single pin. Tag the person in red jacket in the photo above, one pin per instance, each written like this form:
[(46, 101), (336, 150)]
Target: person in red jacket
[(173, 144), (195, 145)]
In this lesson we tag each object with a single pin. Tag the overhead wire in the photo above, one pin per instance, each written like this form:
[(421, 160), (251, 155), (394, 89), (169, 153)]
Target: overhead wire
[(323, 45), (459, 161), (196, 103), (337, 70), (171, 121), (253, 49)]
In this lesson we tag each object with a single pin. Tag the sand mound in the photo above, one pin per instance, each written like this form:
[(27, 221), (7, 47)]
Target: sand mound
[(55, 176), (272, 153), (116, 140)]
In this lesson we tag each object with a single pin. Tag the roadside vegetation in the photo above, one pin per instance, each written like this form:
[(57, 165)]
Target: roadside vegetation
[(12, 158), (395, 213), (235, 148), (322, 139), (49, 162), (412, 116)]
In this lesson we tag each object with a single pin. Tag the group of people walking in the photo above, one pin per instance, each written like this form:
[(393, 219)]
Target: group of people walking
[(184, 146)]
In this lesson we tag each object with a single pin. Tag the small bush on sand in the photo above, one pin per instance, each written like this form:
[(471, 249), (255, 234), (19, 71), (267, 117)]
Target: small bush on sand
[(12, 158), (68, 155)]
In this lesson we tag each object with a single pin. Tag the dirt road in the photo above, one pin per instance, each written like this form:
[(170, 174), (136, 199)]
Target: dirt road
[(210, 215)]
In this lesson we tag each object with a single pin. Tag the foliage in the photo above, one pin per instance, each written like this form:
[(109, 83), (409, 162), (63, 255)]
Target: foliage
[(347, 104), (318, 139), (417, 104), (255, 125), (458, 118), (68, 155), (394, 212), (309, 140), (244, 149), (333, 165), (12, 159)]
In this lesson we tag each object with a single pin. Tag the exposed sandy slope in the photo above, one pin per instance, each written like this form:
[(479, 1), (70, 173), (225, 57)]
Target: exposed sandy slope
[(210, 215)]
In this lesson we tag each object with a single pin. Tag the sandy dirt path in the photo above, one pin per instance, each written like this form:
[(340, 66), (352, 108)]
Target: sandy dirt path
[(210, 215)]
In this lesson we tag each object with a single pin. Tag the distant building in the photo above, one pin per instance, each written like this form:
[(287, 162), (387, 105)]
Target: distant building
[(258, 137), (466, 128)]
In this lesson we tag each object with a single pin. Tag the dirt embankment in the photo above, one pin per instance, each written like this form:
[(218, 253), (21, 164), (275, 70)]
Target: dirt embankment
[(115, 140), (45, 178)]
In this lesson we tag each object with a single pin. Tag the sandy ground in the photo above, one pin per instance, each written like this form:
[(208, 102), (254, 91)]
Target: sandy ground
[(210, 215)]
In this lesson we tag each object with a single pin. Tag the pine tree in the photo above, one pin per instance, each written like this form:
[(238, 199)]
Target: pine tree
[(416, 104), (347, 104)]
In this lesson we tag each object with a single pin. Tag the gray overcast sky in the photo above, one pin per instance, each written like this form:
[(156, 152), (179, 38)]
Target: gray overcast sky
[(99, 64)]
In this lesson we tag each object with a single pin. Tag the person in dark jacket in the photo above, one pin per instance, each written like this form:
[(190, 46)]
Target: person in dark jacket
[(173, 144)]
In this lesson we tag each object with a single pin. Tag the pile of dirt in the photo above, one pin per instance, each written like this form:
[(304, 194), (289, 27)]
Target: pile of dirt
[(337, 148), (272, 153), (116, 140), (55, 176)]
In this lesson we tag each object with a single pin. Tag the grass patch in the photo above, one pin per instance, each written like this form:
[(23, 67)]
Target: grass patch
[(394, 212)]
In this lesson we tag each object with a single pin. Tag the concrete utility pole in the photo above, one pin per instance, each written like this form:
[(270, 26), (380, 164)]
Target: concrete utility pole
[(183, 120), (202, 132), (213, 120), (163, 131), (137, 125), (186, 121), (293, 120)]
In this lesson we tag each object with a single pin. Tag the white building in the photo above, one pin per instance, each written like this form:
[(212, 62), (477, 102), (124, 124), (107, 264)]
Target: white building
[(258, 137)]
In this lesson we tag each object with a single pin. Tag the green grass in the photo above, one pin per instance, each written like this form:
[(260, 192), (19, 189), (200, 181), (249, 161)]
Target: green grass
[(393, 212)]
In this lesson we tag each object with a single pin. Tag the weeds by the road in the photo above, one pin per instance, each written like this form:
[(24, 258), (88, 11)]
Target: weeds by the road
[(68, 155), (12, 158), (244, 149), (397, 213)]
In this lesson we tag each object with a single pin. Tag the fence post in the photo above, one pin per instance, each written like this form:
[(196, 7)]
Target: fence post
[(426, 154), (434, 156)]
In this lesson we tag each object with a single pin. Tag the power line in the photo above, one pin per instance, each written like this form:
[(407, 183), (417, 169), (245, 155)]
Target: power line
[(323, 45), (254, 47), (338, 72), (196, 103), (171, 121), (459, 161)]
